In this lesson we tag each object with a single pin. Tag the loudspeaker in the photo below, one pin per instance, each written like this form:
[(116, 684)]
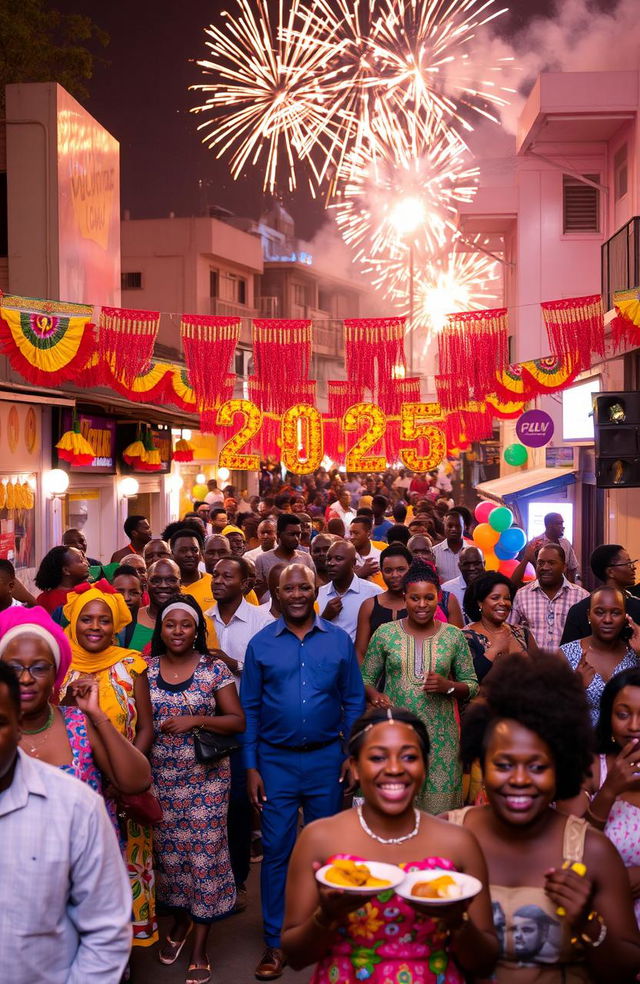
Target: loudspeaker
[(616, 420)]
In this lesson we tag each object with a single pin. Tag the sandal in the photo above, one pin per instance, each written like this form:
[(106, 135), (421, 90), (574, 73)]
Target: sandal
[(174, 947), (198, 975)]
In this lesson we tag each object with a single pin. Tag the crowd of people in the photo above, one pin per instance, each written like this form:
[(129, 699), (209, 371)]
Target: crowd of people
[(330, 654)]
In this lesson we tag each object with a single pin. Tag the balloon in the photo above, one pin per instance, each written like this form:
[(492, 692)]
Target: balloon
[(198, 492), (504, 554), (512, 540), (482, 511), (500, 519), (516, 454), (485, 538), (507, 567), (529, 573), (491, 562)]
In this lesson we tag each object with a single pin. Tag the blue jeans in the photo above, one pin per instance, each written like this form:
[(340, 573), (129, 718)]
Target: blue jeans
[(291, 780)]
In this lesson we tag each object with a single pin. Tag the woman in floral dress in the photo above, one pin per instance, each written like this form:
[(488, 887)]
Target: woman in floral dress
[(95, 614), (383, 940), (190, 689), (428, 668)]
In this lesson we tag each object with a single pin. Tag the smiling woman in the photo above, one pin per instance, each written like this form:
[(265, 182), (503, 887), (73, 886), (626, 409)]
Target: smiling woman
[(559, 891), (383, 937)]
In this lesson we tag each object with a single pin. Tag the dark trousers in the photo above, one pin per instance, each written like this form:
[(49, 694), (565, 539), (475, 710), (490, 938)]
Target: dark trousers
[(291, 780), (239, 820)]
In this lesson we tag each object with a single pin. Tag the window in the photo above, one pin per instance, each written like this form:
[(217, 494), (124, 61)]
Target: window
[(131, 281), (233, 288), (213, 283), (580, 204), (300, 295), (620, 172)]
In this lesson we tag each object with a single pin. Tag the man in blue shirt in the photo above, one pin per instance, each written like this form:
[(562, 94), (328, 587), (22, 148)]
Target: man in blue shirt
[(381, 524), (301, 691)]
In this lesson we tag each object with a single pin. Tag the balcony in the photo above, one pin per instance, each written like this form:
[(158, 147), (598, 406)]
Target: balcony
[(621, 261)]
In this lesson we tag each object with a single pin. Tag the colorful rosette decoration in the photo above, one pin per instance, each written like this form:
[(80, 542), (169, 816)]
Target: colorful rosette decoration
[(183, 450), (151, 460), (74, 448)]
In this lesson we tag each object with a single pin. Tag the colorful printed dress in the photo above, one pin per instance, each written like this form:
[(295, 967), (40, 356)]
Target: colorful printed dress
[(405, 664), (193, 868), (138, 847), (623, 830), (82, 766), (573, 653), (387, 942)]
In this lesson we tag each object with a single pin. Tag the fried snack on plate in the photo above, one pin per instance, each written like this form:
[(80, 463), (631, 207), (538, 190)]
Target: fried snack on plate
[(444, 887), (353, 875)]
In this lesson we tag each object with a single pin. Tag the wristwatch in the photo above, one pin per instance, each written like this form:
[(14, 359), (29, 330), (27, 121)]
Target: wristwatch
[(450, 690)]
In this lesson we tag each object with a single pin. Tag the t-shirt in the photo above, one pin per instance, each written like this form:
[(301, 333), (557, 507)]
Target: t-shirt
[(50, 600), (269, 559), (201, 590), (379, 532)]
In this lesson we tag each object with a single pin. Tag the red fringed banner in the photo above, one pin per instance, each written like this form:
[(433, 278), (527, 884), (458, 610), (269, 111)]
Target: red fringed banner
[(575, 324), (473, 345), (452, 390), (282, 353), (47, 342), (477, 420), (208, 416), (625, 327), (334, 438), (370, 344), (342, 394), (271, 400), (126, 340), (209, 345), (393, 393)]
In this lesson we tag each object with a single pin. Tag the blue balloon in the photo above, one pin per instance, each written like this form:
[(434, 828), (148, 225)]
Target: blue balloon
[(512, 541), (504, 554)]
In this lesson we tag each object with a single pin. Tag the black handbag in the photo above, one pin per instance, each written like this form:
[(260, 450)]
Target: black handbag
[(209, 747)]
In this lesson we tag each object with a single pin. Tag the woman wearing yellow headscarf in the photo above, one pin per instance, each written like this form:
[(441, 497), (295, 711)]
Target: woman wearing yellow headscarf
[(96, 613)]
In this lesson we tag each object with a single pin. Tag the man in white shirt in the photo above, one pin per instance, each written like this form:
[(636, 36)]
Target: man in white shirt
[(214, 496), (367, 556), (67, 910), (342, 509), (267, 538), (447, 553), (471, 564), (236, 622), (402, 482), (339, 601)]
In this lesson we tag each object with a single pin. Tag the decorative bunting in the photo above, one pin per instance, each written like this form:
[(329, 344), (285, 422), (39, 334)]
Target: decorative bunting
[(272, 400), (452, 390), (551, 374), (183, 450), (282, 354), (180, 391), (625, 327), (504, 409), (372, 344), (209, 345), (208, 417), (342, 394), (575, 324), (74, 448), (126, 340), (47, 342), (394, 392), (148, 387)]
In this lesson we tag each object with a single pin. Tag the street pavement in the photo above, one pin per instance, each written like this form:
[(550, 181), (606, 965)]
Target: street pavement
[(235, 947)]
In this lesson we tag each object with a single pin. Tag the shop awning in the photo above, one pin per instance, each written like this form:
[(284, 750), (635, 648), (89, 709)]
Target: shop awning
[(526, 485)]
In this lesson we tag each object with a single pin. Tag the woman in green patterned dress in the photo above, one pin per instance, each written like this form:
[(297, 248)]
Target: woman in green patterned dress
[(427, 667)]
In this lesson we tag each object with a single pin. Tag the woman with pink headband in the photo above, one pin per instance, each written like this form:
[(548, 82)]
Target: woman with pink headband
[(190, 689), (80, 740)]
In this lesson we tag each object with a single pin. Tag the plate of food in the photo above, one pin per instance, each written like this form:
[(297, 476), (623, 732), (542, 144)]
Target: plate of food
[(360, 877), (438, 887)]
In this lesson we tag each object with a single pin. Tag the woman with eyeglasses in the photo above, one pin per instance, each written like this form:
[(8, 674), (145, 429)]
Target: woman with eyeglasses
[(612, 646)]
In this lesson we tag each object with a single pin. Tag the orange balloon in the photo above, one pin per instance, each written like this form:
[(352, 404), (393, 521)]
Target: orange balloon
[(491, 561), (485, 537)]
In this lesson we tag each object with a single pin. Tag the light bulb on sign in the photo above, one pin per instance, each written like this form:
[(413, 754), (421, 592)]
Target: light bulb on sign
[(201, 478), (223, 474), (55, 482), (128, 487)]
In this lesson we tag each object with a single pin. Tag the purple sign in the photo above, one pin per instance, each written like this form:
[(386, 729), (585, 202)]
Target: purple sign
[(534, 428)]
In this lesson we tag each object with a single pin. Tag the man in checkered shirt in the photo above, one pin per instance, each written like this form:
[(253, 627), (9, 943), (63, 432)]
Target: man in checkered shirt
[(543, 604)]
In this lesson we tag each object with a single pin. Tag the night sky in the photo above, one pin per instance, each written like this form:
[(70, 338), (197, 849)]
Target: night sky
[(141, 96)]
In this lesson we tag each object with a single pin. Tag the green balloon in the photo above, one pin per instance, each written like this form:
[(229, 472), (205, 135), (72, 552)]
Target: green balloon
[(500, 519), (516, 454)]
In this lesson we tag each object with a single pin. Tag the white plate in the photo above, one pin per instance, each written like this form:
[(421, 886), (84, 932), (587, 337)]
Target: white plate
[(390, 873), (469, 885)]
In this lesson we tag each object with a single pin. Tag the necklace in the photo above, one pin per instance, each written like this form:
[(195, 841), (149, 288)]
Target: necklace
[(47, 724), (34, 748), (388, 840)]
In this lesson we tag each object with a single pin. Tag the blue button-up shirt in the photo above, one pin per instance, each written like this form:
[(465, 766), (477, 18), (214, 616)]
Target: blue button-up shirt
[(298, 691)]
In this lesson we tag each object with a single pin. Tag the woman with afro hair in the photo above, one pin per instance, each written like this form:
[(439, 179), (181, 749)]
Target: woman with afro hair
[(560, 895)]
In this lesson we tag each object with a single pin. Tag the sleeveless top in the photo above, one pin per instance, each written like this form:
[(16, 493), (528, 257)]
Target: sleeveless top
[(381, 615), (530, 933), (82, 767), (387, 942), (481, 664), (623, 830)]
